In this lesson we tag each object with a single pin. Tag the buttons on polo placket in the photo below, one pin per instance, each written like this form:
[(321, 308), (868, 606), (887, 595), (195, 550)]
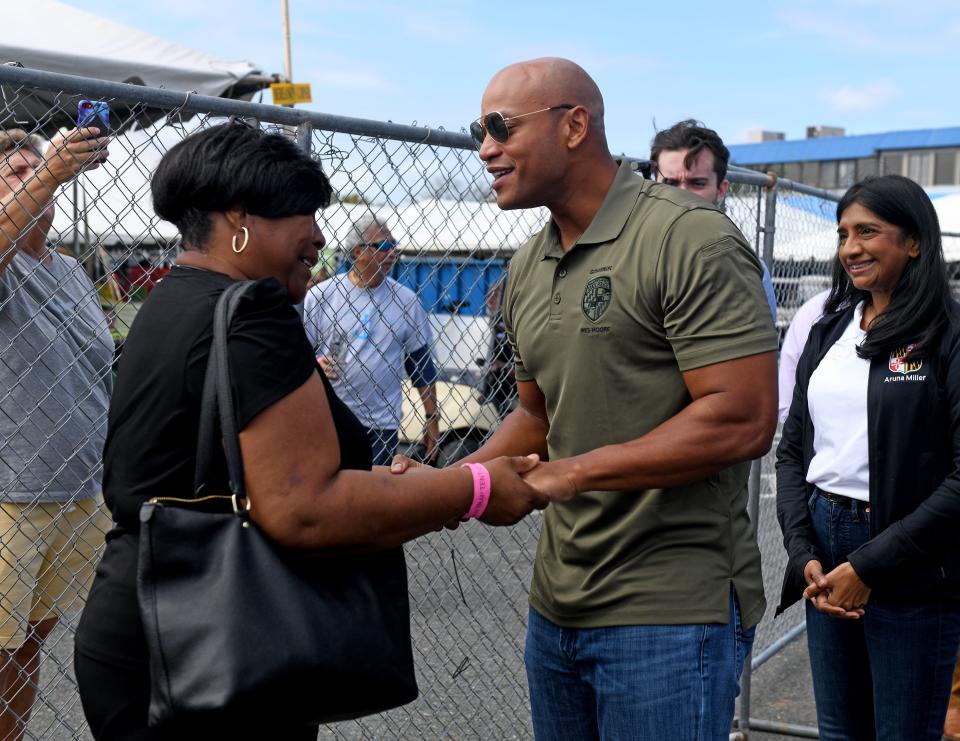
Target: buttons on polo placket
[(557, 298)]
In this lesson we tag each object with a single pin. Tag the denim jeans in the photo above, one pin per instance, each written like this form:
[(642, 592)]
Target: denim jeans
[(384, 443), (636, 683), (887, 675)]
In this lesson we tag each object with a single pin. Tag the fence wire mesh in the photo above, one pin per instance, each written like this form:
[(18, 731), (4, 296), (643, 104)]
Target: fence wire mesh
[(468, 587)]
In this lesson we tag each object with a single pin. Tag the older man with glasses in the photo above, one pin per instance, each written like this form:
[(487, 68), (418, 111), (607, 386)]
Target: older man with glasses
[(367, 330)]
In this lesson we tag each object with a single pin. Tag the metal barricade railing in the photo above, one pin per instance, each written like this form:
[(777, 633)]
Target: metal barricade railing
[(468, 587)]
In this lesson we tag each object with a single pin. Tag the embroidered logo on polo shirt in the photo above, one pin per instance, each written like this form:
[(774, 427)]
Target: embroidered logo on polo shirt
[(899, 363), (596, 298)]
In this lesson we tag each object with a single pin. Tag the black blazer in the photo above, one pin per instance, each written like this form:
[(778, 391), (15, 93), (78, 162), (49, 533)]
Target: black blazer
[(913, 439)]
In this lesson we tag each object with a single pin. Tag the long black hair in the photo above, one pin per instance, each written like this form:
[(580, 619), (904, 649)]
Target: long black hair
[(231, 165), (919, 308)]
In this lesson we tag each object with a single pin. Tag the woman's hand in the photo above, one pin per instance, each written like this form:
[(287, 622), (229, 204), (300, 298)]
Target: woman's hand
[(553, 480), (402, 464), (814, 577), (846, 589), (512, 498), (820, 590)]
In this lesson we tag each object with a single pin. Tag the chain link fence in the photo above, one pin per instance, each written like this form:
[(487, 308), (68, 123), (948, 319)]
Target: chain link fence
[(430, 190)]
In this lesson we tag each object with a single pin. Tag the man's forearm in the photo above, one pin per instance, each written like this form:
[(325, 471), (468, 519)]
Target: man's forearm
[(19, 209), (431, 427), (705, 437), (520, 433), (428, 397)]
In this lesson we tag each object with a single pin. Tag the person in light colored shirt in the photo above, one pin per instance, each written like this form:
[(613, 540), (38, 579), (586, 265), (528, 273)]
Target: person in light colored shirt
[(793, 342), (368, 330), (55, 387)]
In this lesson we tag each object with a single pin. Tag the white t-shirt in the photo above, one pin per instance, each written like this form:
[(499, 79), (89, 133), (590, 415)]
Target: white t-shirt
[(367, 333), (837, 400)]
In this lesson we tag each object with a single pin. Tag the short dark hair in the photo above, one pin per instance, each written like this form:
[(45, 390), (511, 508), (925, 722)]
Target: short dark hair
[(230, 165), (693, 135), (919, 308)]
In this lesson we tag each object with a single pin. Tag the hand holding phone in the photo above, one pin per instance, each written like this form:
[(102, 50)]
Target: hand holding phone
[(82, 148)]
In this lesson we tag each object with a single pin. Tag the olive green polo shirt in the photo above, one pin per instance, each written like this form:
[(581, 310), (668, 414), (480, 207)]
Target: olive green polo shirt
[(661, 282)]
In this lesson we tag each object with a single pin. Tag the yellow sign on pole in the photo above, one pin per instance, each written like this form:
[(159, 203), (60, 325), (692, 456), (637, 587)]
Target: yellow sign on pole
[(287, 93)]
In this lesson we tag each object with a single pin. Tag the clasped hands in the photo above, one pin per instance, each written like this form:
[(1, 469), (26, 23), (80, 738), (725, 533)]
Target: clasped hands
[(839, 594), (520, 484)]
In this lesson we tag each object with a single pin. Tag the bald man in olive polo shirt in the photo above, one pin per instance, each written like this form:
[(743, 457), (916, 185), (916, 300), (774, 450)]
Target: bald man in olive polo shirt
[(646, 370)]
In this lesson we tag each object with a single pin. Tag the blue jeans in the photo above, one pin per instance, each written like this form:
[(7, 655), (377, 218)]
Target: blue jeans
[(887, 675), (636, 683), (384, 443)]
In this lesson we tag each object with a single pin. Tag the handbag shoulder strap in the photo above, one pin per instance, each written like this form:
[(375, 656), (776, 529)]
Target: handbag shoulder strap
[(218, 397)]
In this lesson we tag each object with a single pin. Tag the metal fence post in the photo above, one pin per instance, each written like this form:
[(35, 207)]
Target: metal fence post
[(753, 510), (769, 225), (753, 483), (304, 139), (304, 136)]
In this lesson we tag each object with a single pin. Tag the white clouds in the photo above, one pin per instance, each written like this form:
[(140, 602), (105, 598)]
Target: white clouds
[(873, 95), (872, 26)]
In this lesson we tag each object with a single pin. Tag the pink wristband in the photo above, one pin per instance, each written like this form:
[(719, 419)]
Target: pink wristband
[(481, 490)]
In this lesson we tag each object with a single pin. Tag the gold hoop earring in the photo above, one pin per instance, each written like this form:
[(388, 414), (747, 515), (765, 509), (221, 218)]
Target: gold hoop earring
[(246, 238)]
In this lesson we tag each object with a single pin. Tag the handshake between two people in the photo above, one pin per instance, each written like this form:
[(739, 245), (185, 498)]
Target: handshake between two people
[(518, 485)]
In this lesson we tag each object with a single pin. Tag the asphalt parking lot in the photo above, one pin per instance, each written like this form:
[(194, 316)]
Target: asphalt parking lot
[(468, 592), (781, 692)]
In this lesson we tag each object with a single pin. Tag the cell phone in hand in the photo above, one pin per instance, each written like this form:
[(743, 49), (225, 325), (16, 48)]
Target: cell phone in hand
[(94, 113)]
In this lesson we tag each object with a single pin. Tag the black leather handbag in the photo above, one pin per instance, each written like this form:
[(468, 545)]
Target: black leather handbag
[(237, 626)]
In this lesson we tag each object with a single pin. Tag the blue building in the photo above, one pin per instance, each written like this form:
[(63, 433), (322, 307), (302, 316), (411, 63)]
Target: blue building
[(931, 157)]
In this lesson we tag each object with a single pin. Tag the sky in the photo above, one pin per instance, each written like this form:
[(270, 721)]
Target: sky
[(865, 65)]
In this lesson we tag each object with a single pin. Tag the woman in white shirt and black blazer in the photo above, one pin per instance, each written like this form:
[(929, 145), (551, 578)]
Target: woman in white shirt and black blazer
[(868, 474)]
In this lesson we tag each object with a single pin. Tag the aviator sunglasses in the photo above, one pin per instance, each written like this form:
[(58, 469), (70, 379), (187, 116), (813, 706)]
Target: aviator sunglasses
[(383, 246), (495, 124)]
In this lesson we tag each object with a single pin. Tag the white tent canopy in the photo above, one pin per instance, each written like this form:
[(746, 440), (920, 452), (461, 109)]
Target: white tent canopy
[(948, 211), (801, 235), (55, 37), (439, 227)]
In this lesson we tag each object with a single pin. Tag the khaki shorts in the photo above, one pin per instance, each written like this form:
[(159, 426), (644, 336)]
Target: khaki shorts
[(48, 554)]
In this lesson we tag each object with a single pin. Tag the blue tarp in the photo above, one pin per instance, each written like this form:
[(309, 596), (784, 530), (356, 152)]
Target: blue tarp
[(447, 285), (450, 286)]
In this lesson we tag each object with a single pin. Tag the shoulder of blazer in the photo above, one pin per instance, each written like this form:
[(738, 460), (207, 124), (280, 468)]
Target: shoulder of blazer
[(951, 333), (948, 344)]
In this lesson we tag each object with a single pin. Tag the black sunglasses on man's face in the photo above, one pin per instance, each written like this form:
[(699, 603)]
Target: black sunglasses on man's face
[(495, 124)]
